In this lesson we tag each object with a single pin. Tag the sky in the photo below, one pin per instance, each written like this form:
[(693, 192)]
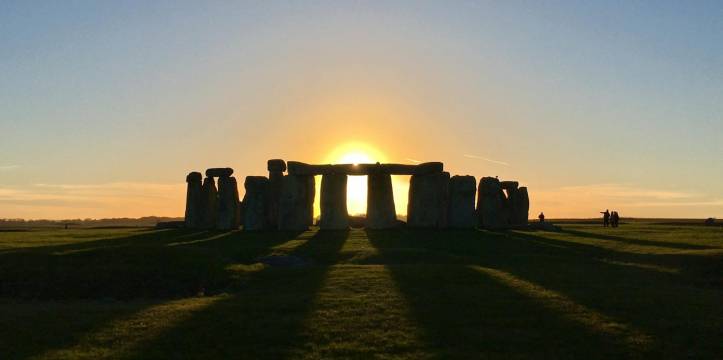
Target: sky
[(106, 106)]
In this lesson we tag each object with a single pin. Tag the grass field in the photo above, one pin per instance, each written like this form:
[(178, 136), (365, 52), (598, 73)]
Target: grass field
[(639, 291)]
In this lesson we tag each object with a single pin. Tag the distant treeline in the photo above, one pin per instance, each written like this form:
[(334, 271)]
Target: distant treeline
[(114, 222)]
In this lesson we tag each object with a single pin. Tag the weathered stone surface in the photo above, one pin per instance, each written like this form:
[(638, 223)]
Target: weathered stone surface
[(219, 172), (507, 185), (491, 204), (299, 168), (276, 179), (334, 215), (461, 211), (519, 205), (209, 204), (296, 204), (193, 212), (428, 199), (275, 165), (228, 216), (381, 212), (255, 201)]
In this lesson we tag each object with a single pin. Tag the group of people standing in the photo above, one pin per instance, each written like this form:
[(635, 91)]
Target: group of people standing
[(611, 219)]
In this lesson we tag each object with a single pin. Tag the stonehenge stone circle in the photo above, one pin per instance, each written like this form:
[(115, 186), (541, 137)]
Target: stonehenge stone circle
[(334, 215), (381, 213), (228, 214), (461, 211), (428, 198), (255, 202), (192, 217), (286, 201)]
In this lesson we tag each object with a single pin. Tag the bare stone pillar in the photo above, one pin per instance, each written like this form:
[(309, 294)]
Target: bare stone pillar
[(334, 215), (522, 206), (193, 201), (491, 204), (381, 212), (276, 169), (461, 212), (255, 202), (209, 203), (428, 199), (228, 216), (296, 205)]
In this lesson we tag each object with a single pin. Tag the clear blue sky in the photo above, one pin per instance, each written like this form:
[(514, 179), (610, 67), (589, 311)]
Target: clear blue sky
[(105, 106)]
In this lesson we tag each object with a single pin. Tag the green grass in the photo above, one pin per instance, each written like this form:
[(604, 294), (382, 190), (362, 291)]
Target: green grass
[(639, 291)]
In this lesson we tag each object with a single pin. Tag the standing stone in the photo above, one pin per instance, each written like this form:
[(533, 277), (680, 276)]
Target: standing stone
[(255, 201), (276, 169), (193, 201), (209, 204), (461, 212), (428, 200), (228, 199), (522, 206), (491, 204), (297, 192), (381, 212), (219, 172), (334, 215)]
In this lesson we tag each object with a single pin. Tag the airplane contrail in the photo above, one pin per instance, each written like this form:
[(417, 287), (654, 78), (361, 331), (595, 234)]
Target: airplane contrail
[(486, 159)]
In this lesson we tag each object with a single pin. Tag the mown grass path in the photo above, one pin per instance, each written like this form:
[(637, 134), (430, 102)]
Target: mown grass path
[(640, 291)]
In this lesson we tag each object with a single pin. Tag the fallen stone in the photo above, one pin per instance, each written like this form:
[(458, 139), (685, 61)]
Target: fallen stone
[(428, 200), (334, 215), (461, 211), (219, 172), (255, 201), (381, 212)]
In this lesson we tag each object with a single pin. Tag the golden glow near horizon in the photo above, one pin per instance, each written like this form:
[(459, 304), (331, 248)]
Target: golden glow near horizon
[(361, 153)]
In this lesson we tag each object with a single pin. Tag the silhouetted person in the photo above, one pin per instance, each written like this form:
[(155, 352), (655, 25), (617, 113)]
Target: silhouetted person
[(606, 217), (614, 219), (541, 217)]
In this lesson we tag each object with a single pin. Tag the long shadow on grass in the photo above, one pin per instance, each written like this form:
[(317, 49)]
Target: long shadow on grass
[(551, 274), (142, 266), (263, 319), (666, 244), (466, 313)]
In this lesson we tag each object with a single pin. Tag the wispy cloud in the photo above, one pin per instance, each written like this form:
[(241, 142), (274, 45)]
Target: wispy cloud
[(413, 160), (486, 159), (8, 167)]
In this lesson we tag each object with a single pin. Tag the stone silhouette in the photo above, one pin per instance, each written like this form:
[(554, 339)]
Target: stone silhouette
[(461, 212), (193, 200), (381, 212), (334, 215), (428, 198), (255, 203), (286, 202)]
